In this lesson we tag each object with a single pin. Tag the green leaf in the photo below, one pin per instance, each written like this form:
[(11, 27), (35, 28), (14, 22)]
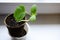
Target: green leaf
[(33, 13), (33, 10), (19, 13), (32, 18)]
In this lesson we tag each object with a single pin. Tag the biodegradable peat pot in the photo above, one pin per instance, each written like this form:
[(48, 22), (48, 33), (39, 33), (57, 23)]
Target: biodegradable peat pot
[(16, 29)]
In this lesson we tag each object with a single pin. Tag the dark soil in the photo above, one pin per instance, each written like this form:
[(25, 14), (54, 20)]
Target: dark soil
[(16, 29), (16, 32)]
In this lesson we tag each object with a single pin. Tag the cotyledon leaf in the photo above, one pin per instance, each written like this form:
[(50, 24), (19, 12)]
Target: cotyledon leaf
[(19, 13), (33, 10), (32, 18), (33, 13)]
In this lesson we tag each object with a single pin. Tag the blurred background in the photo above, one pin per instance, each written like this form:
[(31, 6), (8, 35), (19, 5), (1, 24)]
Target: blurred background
[(47, 25)]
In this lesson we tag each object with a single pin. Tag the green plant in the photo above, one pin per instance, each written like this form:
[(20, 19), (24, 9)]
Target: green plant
[(20, 13)]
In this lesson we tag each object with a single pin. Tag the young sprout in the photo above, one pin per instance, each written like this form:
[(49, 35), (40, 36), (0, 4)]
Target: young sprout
[(33, 13), (20, 13)]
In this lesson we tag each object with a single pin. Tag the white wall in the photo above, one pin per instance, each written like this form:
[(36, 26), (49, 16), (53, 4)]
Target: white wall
[(42, 7)]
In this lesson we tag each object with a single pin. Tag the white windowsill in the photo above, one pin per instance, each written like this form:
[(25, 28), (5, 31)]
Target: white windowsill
[(37, 32)]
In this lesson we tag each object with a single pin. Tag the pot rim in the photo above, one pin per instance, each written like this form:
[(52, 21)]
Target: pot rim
[(8, 25), (5, 19)]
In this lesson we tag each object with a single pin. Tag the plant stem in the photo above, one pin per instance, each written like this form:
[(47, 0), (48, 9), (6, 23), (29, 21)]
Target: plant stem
[(25, 20)]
